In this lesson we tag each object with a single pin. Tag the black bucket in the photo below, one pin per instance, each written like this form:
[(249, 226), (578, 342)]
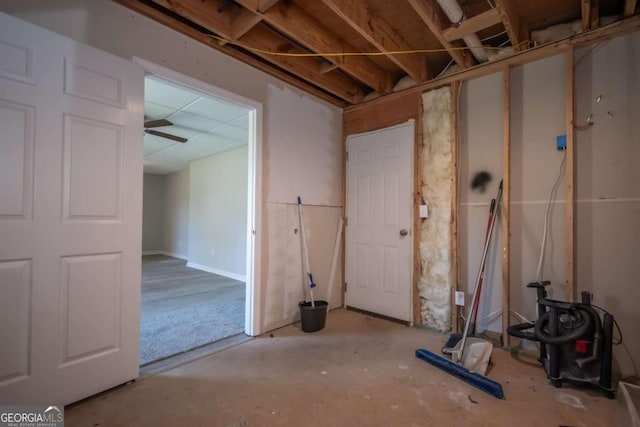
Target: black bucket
[(312, 319)]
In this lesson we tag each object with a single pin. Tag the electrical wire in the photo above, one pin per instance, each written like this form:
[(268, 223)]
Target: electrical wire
[(615, 322), (445, 69), (344, 54), (547, 212), (494, 36)]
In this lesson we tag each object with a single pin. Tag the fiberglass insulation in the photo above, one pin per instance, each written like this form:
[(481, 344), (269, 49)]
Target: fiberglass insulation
[(435, 238)]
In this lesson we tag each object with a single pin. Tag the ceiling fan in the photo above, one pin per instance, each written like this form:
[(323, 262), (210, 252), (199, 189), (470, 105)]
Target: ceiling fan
[(148, 125)]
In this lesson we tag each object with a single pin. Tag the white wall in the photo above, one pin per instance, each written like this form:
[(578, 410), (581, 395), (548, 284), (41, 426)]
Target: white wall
[(607, 182), (608, 186), (153, 213), (218, 213), (480, 128), (302, 135), (537, 118), (176, 220)]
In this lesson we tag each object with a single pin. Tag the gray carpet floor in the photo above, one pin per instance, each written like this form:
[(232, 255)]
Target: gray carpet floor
[(184, 308)]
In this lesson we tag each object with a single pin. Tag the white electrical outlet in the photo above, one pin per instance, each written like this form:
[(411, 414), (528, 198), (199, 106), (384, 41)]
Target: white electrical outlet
[(424, 211), (460, 298)]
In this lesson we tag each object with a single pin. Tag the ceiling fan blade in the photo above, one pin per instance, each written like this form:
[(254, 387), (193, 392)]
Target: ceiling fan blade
[(165, 135), (157, 123)]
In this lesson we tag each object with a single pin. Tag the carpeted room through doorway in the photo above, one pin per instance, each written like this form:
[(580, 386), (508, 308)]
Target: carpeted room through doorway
[(183, 308)]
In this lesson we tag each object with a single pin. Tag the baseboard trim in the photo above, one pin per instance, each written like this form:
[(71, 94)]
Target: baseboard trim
[(216, 271), (145, 253), (171, 254)]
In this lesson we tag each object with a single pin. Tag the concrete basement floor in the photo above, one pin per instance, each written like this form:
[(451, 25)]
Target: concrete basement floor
[(358, 371)]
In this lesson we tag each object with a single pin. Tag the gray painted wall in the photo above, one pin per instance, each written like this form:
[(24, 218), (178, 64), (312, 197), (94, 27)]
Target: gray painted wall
[(153, 208), (176, 220), (218, 212)]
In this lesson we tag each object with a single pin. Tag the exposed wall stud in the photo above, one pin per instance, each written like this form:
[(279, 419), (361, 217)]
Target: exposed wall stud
[(570, 243), (505, 211)]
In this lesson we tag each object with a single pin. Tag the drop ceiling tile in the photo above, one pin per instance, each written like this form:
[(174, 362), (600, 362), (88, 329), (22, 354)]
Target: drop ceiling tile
[(192, 121), (215, 109), (162, 92), (211, 142), (153, 143), (232, 132), (154, 111), (178, 131), (241, 122)]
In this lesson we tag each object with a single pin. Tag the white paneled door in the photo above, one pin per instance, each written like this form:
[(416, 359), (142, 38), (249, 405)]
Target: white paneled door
[(70, 217), (379, 205)]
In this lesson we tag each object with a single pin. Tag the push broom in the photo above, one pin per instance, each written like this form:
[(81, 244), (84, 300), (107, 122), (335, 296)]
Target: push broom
[(459, 370)]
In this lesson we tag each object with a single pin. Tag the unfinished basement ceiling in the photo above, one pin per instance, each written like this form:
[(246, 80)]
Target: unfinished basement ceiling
[(268, 34), (209, 125)]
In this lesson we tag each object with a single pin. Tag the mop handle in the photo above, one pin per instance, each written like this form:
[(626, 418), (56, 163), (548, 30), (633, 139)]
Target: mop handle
[(306, 253), (477, 297), (482, 261)]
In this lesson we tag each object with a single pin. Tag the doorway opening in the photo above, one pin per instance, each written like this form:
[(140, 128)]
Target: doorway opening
[(199, 218)]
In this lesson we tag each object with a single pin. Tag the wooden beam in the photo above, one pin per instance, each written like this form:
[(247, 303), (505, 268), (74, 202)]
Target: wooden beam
[(378, 32), (511, 21), (585, 6), (595, 14), (297, 24), (380, 116), (327, 67), (427, 11), (242, 23), (308, 68), (202, 12), (183, 28), (505, 206), (264, 5), (629, 7), (417, 221), (455, 90), (615, 29), (570, 175), (472, 25)]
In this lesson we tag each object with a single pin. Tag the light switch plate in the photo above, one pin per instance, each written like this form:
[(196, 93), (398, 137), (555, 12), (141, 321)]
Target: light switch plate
[(424, 211), (460, 298)]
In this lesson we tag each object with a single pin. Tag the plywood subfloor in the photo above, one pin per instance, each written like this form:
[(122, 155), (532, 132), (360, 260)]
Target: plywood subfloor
[(358, 371)]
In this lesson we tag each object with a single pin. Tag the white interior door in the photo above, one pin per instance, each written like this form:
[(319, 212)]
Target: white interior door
[(70, 216), (379, 206)]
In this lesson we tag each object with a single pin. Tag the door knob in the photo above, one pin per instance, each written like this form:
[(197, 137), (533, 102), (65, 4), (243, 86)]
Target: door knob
[(403, 232)]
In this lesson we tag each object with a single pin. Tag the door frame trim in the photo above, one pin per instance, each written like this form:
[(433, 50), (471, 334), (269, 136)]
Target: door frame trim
[(412, 185), (252, 325)]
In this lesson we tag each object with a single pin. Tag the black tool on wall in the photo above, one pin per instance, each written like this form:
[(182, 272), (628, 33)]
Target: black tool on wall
[(575, 343)]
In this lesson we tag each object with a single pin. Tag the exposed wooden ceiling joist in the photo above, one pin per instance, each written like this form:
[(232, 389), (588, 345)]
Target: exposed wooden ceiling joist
[(322, 46), (427, 11), (511, 21), (629, 7), (242, 23), (202, 12), (615, 29), (381, 34), (300, 26), (146, 9), (306, 67), (585, 6), (473, 25), (595, 14)]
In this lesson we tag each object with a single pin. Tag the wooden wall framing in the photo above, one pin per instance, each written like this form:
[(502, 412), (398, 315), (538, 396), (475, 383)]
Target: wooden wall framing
[(506, 204), (402, 106)]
